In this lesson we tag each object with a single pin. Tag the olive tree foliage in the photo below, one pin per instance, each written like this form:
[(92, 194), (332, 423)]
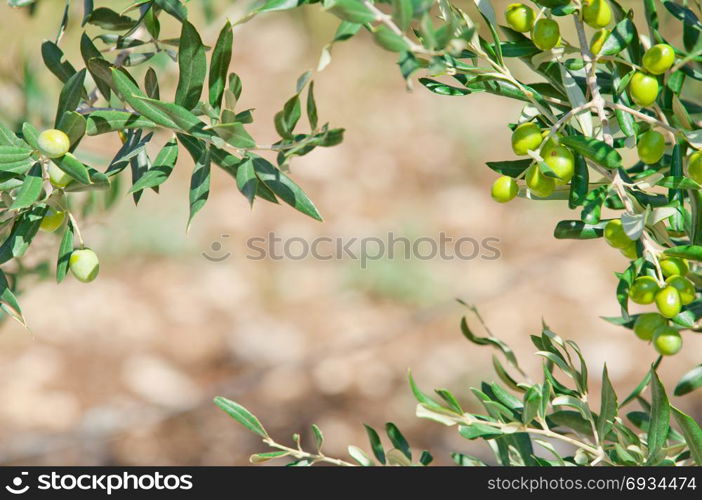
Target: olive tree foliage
[(609, 121), (45, 181)]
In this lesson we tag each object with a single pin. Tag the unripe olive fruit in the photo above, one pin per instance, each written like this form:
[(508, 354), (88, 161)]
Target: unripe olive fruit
[(667, 341), (520, 17), (561, 161), (58, 177), (525, 137), (644, 290), (694, 167), (643, 89), (615, 236), (658, 59), (539, 184), (598, 40), (672, 266), (52, 220), (545, 34), (668, 301), (629, 251), (84, 265), (552, 4), (53, 143), (646, 325), (685, 288), (597, 13), (651, 146), (504, 189)]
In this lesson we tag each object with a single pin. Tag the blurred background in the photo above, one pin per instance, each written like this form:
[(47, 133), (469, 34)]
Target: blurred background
[(123, 371)]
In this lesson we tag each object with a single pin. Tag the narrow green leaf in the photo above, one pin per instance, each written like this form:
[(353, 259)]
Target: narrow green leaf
[(174, 8), (54, 60), (375, 443), (30, 190), (71, 94), (74, 125), (689, 382), (608, 406), (64, 253), (102, 122), (241, 415), (596, 150), (109, 20), (192, 64), (660, 420), (161, 169), (200, 183), (246, 180), (73, 167), (283, 187), (23, 231), (219, 66), (692, 432), (8, 301)]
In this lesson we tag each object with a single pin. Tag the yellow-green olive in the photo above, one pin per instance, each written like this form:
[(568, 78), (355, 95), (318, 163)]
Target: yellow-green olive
[(546, 34), (668, 301), (539, 184), (53, 143), (694, 167), (667, 341), (646, 325), (650, 147), (658, 59), (615, 236), (504, 189), (52, 220), (685, 288), (643, 89), (561, 161), (84, 265), (520, 17), (672, 266), (644, 290), (597, 13), (526, 137)]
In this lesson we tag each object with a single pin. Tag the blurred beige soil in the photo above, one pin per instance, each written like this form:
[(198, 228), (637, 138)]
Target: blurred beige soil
[(123, 371)]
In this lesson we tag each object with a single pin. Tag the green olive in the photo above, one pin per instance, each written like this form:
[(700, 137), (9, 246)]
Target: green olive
[(668, 301), (52, 220), (84, 265), (53, 143), (646, 325), (643, 89), (651, 146), (539, 184), (520, 17), (667, 341), (597, 13), (644, 290), (694, 167), (526, 137), (685, 288), (598, 40), (615, 236), (561, 161), (504, 189), (58, 177), (658, 59), (630, 251), (672, 266), (546, 34)]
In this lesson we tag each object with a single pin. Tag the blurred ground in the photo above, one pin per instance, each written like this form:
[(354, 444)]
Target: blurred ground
[(123, 371)]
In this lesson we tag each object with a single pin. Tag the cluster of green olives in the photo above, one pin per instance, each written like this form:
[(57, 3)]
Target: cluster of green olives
[(529, 137), (83, 262), (545, 33), (670, 297), (643, 86)]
